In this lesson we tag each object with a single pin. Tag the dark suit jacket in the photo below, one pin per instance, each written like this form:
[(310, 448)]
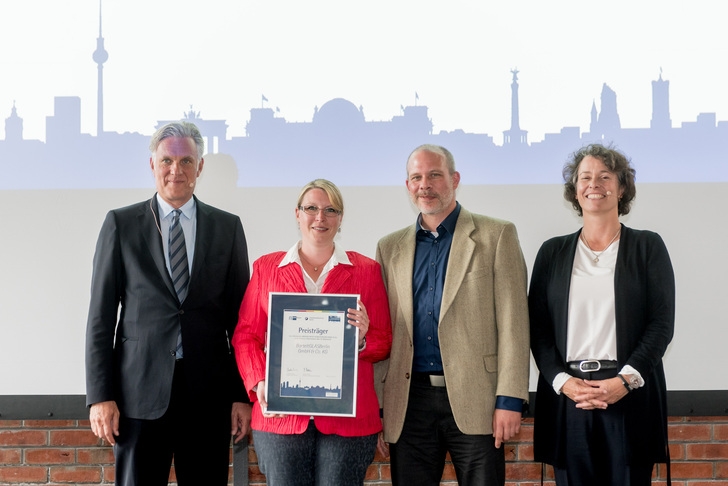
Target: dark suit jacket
[(130, 353), (644, 289)]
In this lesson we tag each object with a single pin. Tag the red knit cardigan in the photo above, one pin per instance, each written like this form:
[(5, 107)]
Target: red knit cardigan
[(363, 277)]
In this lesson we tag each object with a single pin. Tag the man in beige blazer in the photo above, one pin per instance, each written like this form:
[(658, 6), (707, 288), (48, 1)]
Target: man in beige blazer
[(457, 376)]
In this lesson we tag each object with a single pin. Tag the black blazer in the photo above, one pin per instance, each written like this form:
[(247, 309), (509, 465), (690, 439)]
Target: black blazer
[(644, 288), (130, 353)]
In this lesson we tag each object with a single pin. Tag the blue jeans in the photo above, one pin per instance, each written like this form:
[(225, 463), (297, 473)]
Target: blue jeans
[(313, 458)]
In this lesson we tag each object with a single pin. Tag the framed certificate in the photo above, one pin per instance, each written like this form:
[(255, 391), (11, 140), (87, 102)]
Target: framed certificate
[(312, 355)]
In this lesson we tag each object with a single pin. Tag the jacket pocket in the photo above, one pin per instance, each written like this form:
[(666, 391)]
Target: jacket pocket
[(491, 363)]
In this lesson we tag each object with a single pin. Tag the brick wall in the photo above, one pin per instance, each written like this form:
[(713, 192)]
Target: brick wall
[(62, 452)]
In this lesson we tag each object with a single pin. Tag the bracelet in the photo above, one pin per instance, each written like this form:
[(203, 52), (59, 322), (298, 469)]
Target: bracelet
[(363, 344), (625, 383)]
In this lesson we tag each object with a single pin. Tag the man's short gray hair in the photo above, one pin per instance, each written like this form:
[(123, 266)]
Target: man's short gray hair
[(181, 129), (435, 149)]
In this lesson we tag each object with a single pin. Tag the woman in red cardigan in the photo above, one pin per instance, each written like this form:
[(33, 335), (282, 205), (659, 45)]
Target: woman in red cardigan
[(318, 450)]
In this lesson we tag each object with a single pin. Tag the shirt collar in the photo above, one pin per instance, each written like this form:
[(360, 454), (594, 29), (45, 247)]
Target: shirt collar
[(292, 256), (165, 208), (448, 224)]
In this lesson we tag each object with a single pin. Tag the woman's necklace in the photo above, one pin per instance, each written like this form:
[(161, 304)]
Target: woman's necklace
[(597, 255), (315, 268)]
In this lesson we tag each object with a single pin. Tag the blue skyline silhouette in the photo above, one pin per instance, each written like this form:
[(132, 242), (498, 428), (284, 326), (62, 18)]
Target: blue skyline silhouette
[(340, 144)]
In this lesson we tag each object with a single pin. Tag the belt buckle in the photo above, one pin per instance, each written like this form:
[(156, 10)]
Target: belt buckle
[(437, 380), (588, 365)]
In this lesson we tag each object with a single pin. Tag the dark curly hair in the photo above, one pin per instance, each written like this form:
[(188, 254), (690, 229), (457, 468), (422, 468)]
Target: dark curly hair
[(615, 161)]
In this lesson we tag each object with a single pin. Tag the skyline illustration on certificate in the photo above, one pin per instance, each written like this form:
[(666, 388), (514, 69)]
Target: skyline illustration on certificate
[(312, 357)]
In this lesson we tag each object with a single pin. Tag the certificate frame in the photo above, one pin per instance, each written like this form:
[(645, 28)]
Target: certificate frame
[(311, 354)]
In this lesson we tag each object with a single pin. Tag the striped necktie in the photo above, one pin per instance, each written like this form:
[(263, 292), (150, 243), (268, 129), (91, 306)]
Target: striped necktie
[(178, 265)]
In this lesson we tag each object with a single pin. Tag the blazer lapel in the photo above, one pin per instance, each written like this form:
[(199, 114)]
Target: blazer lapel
[(150, 227), (562, 278), (403, 258), (202, 242), (461, 252)]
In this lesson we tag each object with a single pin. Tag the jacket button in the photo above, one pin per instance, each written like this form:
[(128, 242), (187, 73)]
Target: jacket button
[(172, 352), (406, 375), (181, 312)]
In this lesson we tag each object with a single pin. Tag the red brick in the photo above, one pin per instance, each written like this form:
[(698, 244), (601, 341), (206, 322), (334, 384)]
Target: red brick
[(708, 483), (372, 473), (707, 451), (705, 419), (85, 424), (48, 424), (109, 474), (385, 471), (49, 456), (22, 437), (525, 435), (721, 470), (510, 452), (689, 432), (677, 451), (9, 456), (252, 457), (10, 424), (76, 474), (448, 473), (254, 474), (525, 452), (691, 470), (720, 432), (521, 471), (29, 474), (96, 455), (73, 438)]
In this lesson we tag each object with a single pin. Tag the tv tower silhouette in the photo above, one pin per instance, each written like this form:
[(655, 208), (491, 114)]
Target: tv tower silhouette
[(100, 57)]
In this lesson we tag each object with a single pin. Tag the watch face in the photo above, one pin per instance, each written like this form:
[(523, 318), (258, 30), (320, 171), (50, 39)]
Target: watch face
[(634, 382)]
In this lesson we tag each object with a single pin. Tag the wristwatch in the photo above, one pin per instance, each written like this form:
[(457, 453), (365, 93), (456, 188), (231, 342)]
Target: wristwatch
[(630, 385)]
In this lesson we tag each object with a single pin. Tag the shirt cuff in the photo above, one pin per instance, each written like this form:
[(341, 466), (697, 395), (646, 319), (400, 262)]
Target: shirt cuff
[(509, 403), (559, 381), (628, 370)]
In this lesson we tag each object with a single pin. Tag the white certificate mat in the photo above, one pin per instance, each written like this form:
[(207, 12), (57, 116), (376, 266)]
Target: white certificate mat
[(312, 353)]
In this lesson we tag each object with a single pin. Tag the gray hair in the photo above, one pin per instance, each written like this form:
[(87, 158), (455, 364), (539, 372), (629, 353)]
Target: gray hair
[(435, 149), (181, 129)]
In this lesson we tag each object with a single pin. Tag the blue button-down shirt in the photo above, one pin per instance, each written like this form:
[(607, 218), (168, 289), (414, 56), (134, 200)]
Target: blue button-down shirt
[(428, 278), (432, 253)]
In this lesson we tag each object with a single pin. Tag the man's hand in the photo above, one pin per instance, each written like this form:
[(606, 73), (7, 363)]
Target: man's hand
[(240, 420), (104, 417), (506, 424), (382, 446)]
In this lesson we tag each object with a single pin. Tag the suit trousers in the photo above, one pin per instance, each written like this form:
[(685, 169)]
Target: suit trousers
[(595, 445), (196, 434), (429, 433)]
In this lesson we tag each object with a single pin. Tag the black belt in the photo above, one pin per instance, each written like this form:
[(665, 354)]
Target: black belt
[(428, 379), (590, 365)]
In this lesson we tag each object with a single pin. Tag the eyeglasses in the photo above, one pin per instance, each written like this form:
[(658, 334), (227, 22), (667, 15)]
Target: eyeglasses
[(313, 211)]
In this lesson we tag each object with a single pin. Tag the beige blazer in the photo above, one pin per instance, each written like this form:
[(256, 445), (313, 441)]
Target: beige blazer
[(483, 328)]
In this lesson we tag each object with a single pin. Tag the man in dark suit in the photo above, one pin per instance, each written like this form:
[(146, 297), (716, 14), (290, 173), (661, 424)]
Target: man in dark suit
[(161, 378)]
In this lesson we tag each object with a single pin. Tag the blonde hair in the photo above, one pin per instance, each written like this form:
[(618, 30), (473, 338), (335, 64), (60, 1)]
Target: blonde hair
[(337, 202)]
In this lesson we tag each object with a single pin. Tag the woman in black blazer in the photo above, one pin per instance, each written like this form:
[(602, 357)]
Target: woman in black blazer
[(602, 308)]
